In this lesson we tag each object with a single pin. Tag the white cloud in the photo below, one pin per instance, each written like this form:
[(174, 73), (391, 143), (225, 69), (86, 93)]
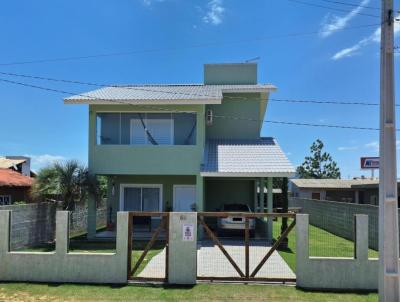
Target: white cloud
[(150, 2), (44, 160), (375, 37), (372, 145), (332, 23), (349, 148), (214, 13)]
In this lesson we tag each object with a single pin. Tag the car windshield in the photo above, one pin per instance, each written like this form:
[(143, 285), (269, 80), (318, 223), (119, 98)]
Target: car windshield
[(236, 208)]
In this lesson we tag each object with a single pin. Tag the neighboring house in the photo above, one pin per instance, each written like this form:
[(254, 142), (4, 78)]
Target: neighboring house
[(15, 179), (183, 147), (363, 191), (20, 164), (14, 187)]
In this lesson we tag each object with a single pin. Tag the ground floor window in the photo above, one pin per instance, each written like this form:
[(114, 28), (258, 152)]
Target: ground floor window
[(5, 200), (143, 198)]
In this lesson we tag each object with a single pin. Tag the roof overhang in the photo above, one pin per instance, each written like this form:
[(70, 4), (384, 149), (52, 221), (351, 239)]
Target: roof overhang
[(247, 174), (95, 101)]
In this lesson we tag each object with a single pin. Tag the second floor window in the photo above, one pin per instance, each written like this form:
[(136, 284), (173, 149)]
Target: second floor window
[(146, 128)]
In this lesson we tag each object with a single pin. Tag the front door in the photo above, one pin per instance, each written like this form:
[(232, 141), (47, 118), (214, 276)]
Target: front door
[(184, 198)]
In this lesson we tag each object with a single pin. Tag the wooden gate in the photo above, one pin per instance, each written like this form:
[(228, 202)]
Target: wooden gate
[(246, 275), (147, 240)]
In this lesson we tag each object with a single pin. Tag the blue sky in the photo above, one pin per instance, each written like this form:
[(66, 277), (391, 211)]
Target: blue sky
[(339, 65)]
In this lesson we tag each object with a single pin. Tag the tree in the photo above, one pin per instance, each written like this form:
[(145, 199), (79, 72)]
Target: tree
[(319, 164), (68, 181)]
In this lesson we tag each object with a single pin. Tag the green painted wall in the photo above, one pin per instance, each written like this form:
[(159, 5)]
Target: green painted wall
[(251, 108), (239, 73), (167, 181), (147, 159), (223, 190)]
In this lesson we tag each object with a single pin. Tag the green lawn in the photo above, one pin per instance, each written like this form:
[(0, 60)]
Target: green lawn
[(322, 244), (203, 292)]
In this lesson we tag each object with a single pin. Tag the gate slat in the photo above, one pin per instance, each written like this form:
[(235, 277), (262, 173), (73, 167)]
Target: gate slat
[(273, 248), (218, 243)]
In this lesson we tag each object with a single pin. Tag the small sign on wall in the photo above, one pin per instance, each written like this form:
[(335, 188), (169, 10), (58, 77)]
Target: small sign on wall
[(187, 232)]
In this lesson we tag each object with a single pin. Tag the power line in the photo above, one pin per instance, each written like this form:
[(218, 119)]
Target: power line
[(183, 93), (295, 123), (352, 4), (195, 46), (216, 116), (331, 8)]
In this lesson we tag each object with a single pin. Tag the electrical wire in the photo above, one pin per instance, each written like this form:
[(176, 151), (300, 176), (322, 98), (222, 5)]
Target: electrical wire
[(332, 8), (195, 46), (352, 4), (216, 116), (226, 97)]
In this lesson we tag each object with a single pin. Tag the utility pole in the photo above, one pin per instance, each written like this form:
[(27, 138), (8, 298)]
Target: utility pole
[(389, 289)]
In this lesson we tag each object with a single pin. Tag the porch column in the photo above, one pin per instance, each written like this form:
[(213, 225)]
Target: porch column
[(262, 186), (255, 196), (200, 201), (270, 206), (91, 218)]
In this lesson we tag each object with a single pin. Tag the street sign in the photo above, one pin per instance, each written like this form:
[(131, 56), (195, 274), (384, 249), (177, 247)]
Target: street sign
[(369, 162)]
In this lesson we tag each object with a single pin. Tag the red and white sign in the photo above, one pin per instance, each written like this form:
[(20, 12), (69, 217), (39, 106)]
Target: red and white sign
[(369, 162)]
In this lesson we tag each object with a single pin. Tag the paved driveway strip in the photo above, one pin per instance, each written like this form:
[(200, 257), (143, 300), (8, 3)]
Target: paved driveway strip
[(211, 262)]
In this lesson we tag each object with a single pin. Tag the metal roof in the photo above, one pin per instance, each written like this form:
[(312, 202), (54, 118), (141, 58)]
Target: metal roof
[(164, 94), (331, 183), (6, 163), (246, 157)]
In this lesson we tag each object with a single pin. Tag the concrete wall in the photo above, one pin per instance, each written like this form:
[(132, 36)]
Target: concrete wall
[(337, 217), (34, 224), (31, 224), (61, 265), (79, 220), (359, 273), (182, 260)]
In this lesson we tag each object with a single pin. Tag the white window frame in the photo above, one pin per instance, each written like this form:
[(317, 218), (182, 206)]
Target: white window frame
[(141, 186), (9, 199), (146, 139)]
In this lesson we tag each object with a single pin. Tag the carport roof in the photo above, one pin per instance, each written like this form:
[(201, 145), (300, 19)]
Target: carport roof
[(245, 158)]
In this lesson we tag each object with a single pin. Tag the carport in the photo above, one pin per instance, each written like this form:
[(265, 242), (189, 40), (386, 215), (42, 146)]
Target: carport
[(235, 170)]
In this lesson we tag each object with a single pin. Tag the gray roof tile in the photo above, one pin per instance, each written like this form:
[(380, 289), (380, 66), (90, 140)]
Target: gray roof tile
[(186, 94), (247, 157)]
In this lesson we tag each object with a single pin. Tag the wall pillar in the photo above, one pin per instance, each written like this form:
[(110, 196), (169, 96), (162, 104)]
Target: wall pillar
[(62, 232), (91, 218), (270, 208), (357, 197)]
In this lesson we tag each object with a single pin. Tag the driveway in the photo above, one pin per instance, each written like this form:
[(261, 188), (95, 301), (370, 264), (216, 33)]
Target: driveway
[(211, 262)]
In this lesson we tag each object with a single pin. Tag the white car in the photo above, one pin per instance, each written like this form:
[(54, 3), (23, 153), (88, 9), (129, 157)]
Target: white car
[(235, 223)]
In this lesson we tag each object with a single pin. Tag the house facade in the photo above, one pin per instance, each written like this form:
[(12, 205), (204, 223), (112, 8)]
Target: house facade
[(183, 147), (360, 191)]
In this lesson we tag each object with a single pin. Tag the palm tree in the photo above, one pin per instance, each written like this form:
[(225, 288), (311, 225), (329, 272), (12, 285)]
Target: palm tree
[(69, 181)]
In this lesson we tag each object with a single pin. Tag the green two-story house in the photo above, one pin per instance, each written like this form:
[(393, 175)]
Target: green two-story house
[(183, 147)]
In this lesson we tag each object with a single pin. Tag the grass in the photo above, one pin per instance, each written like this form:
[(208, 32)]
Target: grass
[(13, 292), (322, 244)]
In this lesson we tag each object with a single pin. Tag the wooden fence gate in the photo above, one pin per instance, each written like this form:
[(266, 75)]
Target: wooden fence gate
[(246, 274), (146, 238)]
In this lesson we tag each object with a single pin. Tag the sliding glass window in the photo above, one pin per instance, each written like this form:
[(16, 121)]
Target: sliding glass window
[(146, 128)]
